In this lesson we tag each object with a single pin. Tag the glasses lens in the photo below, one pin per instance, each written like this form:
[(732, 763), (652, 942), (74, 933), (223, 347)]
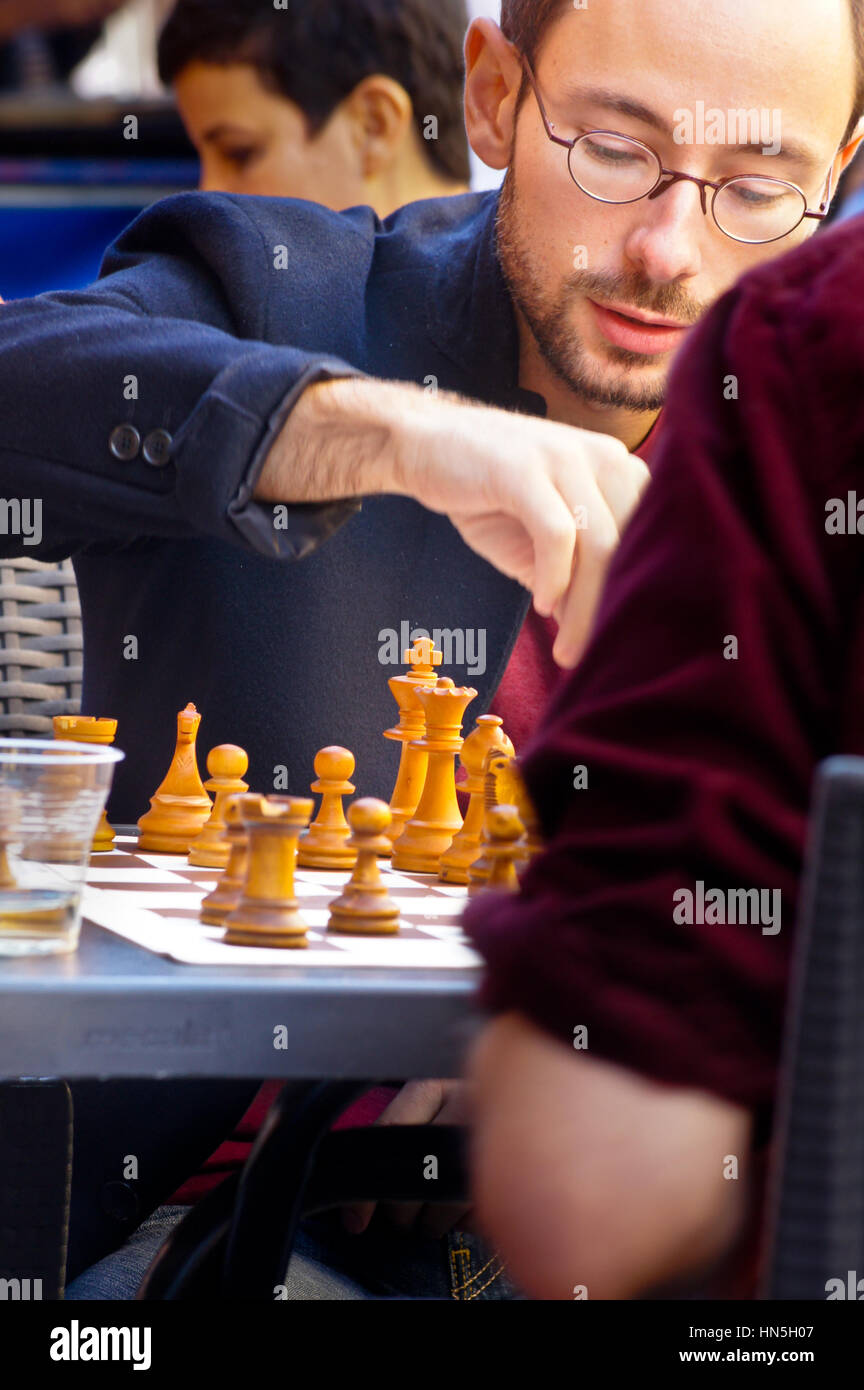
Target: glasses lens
[(613, 168), (759, 209)]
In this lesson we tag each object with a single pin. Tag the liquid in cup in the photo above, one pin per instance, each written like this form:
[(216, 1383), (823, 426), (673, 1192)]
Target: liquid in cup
[(51, 799)]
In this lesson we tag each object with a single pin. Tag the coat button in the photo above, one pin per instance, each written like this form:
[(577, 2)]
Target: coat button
[(157, 448), (124, 442), (120, 1201)]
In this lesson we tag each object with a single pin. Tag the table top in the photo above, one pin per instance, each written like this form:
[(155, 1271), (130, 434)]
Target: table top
[(113, 1009)]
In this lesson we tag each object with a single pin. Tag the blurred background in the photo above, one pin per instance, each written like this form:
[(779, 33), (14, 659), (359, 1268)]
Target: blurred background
[(89, 135)]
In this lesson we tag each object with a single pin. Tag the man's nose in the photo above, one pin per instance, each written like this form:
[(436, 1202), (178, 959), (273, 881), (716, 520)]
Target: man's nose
[(668, 234)]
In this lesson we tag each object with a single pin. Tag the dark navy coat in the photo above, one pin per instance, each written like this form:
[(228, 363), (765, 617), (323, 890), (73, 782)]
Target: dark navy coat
[(186, 587), (140, 411)]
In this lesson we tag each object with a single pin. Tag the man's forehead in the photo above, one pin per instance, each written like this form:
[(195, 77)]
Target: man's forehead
[(796, 56), (581, 96)]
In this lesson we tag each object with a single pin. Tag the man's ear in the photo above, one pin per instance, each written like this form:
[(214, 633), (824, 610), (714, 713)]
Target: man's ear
[(844, 159), (381, 114), (492, 86)]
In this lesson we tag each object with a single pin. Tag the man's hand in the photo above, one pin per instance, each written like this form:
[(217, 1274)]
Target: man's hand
[(418, 1103), (543, 502), (587, 1174)]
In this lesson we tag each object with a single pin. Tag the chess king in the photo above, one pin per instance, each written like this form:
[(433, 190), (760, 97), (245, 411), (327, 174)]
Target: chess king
[(481, 370)]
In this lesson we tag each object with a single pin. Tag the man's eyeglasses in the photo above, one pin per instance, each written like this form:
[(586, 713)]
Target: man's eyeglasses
[(616, 168)]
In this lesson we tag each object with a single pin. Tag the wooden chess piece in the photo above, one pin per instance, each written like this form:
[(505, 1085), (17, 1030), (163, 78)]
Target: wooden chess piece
[(60, 787), (226, 764), (437, 819), (422, 660), (226, 895), (505, 785), (505, 846), (365, 907), (326, 843), (180, 807), (80, 728), (488, 735), (9, 823), (7, 878), (267, 913)]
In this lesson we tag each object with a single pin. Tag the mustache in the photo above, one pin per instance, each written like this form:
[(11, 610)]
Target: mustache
[(667, 301)]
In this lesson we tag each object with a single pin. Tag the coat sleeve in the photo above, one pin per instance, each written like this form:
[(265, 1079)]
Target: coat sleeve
[(173, 339), (682, 751)]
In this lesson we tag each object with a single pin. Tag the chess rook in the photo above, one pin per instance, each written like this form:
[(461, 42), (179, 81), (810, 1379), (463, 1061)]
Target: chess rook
[(487, 736), (267, 913), (364, 907), (326, 844), (437, 819), (180, 807), (422, 661), (80, 728), (226, 764), (226, 895)]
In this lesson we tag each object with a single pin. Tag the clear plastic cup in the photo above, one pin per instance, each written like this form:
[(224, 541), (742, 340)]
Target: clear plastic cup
[(51, 798)]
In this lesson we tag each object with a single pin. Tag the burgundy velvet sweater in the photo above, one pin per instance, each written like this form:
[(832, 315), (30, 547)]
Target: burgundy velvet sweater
[(699, 766)]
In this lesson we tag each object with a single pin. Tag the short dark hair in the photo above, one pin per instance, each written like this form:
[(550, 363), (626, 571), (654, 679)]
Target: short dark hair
[(525, 22), (316, 53)]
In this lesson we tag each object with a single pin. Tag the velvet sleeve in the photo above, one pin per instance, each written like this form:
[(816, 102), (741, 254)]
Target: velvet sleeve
[(683, 748)]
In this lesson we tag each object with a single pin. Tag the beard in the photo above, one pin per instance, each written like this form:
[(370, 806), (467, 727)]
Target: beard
[(549, 317)]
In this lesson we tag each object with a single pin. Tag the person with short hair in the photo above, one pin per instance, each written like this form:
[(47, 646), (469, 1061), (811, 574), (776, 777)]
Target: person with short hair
[(345, 103)]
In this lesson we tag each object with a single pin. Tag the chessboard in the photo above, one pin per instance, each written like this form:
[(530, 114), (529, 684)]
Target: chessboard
[(153, 900)]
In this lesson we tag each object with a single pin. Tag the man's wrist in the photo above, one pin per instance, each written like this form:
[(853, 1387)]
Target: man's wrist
[(341, 440)]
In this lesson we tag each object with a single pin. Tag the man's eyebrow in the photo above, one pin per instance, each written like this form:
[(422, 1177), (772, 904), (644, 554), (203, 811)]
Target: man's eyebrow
[(793, 150)]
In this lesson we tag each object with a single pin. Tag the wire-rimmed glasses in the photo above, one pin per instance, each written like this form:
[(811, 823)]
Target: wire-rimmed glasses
[(619, 169)]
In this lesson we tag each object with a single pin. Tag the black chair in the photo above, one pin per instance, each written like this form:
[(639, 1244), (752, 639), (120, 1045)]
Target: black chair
[(817, 1201), (236, 1244), (35, 1178)]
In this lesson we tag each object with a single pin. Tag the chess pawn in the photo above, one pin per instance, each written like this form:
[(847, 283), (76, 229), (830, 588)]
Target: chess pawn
[(267, 913), (487, 735), (226, 764), (505, 833), (505, 785), (82, 729), (226, 895), (422, 660), (365, 906), (180, 807), (437, 819), (325, 845)]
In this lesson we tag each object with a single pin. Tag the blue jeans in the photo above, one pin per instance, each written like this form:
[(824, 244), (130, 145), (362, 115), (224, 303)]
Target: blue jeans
[(328, 1264)]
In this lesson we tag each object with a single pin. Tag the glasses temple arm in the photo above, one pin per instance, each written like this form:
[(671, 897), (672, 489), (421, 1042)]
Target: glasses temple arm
[(826, 201), (550, 129)]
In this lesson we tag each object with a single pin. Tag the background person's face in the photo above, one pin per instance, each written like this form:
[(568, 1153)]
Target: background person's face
[(251, 140), (573, 262)]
